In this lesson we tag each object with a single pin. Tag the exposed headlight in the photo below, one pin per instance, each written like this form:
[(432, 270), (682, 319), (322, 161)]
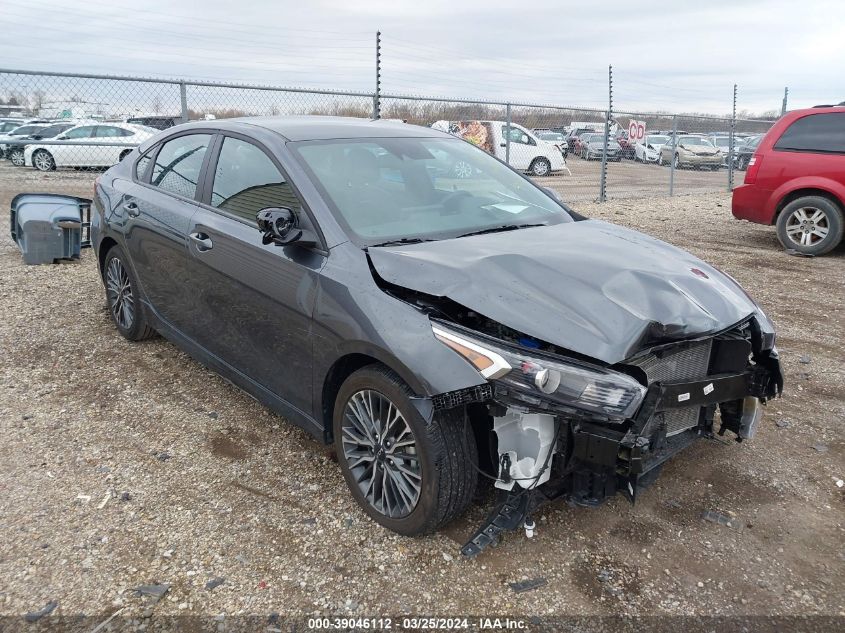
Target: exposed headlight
[(535, 378)]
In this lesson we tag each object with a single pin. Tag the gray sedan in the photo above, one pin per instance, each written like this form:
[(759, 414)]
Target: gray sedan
[(433, 329)]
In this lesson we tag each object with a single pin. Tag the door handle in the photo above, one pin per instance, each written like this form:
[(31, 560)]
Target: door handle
[(202, 241), (132, 209)]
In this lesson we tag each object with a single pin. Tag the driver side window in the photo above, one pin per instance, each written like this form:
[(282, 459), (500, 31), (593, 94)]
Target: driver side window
[(246, 181), (80, 132), (516, 135)]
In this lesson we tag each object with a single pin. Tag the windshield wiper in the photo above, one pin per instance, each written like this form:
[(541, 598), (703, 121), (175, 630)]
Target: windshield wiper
[(499, 229), (404, 240)]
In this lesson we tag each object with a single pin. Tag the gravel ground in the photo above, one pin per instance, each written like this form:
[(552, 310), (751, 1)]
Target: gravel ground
[(130, 464)]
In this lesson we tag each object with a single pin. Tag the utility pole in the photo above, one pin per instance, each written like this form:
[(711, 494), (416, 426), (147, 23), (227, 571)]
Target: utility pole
[(785, 98), (377, 94), (731, 145), (603, 182)]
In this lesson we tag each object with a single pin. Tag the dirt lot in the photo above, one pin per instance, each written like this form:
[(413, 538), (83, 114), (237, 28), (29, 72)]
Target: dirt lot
[(129, 464)]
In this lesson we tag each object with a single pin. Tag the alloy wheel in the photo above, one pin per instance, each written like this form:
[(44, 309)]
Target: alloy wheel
[(807, 226), (17, 158), (119, 293), (381, 451), (43, 161)]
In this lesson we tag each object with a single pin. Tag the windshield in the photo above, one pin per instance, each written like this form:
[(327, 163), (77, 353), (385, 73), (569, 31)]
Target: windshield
[(694, 140), (53, 130), (389, 189), (656, 140), (550, 136)]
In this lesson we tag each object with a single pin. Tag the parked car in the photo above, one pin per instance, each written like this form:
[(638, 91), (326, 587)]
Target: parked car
[(722, 142), (796, 180), (100, 145), (649, 150), (573, 136), (592, 147), (15, 147), (555, 138), (156, 121), (527, 152), (690, 151), (428, 329), (16, 133), (745, 150), (626, 147)]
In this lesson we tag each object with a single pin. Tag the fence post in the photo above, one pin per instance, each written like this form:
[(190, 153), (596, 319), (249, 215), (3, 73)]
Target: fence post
[(672, 159), (508, 135), (183, 96), (608, 115), (785, 97), (731, 146), (377, 93)]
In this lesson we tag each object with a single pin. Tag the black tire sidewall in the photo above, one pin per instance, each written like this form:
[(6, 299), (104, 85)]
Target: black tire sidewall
[(834, 218), (424, 514), (139, 325)]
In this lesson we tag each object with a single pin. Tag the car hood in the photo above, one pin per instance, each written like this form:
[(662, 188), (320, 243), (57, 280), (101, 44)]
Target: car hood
[(699, 149), (590, 287)]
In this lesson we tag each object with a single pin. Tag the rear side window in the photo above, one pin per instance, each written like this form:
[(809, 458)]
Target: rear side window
[(111, 131), (815, 133), (142, 164), (178, 164), (246, 181)]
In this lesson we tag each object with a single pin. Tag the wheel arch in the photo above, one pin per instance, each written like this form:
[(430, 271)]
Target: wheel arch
[(344, 367), (106, 244), (804, 191)]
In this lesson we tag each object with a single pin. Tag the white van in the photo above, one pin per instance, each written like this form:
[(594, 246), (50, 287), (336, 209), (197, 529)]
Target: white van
[(527, 152)]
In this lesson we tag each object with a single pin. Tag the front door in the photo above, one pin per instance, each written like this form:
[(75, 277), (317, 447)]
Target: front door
[(256, 300)]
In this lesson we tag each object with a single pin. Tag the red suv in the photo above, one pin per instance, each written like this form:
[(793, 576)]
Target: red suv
[(796, 180)]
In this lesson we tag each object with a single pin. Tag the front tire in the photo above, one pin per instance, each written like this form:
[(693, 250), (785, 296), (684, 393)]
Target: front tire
[(540, 167), (811, 225), (677, 161), (419, 488), (122, 297), (42, 160)]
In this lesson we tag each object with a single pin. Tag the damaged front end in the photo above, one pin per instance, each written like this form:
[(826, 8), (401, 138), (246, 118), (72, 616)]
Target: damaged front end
[(562, 427)]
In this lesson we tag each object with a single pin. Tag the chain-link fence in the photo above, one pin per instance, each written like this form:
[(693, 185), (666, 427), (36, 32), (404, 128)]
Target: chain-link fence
[(54, 122)]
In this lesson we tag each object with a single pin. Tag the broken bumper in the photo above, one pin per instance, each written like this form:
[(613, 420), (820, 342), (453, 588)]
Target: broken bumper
[(606, 461)]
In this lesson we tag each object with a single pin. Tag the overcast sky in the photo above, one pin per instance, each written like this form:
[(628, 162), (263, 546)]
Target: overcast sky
[(670, 56)]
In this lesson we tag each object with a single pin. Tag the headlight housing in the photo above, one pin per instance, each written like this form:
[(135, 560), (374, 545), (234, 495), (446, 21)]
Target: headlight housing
[(538, 379)]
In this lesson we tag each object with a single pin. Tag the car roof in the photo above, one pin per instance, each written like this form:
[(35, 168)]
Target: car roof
[(308, 128)]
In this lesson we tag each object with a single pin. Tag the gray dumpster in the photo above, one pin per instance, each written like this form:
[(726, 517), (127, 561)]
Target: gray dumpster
[(48, 227)]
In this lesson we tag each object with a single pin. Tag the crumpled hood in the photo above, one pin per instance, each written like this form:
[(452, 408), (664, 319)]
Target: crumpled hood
[(590, 287)]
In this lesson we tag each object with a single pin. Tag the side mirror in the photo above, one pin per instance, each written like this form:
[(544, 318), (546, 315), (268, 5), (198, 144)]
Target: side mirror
[(61, 138), (279, 226)]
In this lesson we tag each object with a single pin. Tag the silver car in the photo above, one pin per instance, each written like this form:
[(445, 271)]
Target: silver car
[(592, 146)]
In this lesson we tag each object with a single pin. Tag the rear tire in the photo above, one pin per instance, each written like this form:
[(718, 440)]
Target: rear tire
[(123, 298), (440, 455), (811, 225), (42, 160), (17, 158)]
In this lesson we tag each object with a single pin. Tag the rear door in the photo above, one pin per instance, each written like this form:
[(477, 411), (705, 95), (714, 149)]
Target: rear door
[(256, 300), (157, 209)]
